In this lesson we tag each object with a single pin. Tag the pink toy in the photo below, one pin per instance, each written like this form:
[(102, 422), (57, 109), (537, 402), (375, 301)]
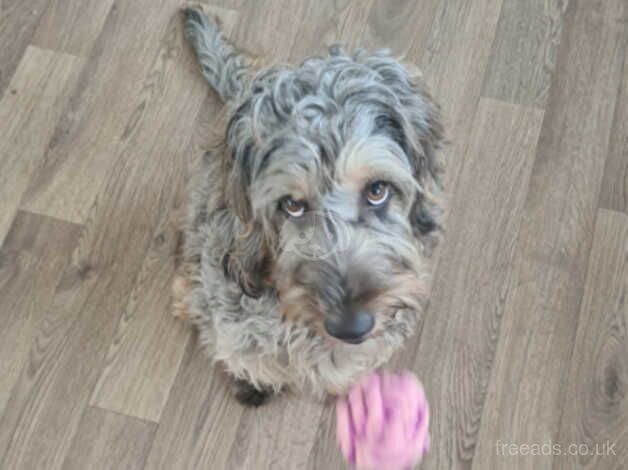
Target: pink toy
[(382, 424)]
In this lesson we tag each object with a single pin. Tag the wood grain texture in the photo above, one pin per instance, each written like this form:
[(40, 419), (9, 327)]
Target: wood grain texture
[(392, 23), (18, 21), (542, 305), (135, 383), (38, 93), (523, 57), (325, 452), (462, 326), (138, 195), (278, 435), (71, 26), (524, 340), (261, 32), (109, 440), (200, 422), (454, 57), (614, 192), (330, 22), (149, 342), (103, 114), (32, 258), (595, 414)]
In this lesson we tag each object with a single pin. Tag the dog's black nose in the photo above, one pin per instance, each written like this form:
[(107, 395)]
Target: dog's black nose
[(350, 327)]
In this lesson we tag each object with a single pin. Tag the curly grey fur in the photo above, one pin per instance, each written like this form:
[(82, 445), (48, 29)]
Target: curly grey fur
[(319, 132), (222, 66)]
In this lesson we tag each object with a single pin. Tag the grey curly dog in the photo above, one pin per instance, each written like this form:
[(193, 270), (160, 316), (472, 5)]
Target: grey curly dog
[(310, 224)]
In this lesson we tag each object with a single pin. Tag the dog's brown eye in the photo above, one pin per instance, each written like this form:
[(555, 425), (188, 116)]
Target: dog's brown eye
[(292, 208), (377, 193)]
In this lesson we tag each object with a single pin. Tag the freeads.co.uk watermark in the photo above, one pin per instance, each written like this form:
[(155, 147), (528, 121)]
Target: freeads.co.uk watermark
[(550, 448)]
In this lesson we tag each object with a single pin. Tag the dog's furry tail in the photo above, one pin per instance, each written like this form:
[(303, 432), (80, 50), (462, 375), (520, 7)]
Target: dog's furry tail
[(224, 68)]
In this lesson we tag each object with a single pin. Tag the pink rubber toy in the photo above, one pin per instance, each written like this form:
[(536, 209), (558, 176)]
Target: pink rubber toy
[(382, 424)]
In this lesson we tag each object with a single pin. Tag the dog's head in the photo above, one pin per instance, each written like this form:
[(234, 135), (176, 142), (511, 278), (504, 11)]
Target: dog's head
[(332, 169)]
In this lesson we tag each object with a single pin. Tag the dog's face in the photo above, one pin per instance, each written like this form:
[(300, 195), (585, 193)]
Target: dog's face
[(332, 171)]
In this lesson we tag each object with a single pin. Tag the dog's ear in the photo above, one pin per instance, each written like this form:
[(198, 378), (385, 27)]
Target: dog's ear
[(415, 123), (248, 258), (247, 261)]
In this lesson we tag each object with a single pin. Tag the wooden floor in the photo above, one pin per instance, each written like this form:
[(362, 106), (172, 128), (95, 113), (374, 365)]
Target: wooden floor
[(526, 340)]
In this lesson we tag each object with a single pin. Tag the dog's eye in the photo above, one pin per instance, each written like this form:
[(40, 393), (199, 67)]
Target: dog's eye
[(377, 193), (291, 207)]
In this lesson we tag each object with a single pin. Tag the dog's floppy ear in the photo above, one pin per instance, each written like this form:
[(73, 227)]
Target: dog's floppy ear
[(246, 262), (248, 258), (415, 123)]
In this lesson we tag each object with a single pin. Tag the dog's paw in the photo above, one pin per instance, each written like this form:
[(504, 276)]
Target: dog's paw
[(250, 396), (180, 288)]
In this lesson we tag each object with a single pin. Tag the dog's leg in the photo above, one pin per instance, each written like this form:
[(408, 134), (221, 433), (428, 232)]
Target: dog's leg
[(248, 395), (181, 287), (221, 64)]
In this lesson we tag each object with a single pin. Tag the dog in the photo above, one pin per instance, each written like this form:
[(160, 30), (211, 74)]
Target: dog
[(310, 225)]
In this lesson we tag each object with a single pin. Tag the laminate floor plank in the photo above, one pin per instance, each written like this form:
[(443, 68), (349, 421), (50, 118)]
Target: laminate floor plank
[(45, 408), (103, 114), (149, 342), (330, 22), (279, 435), (462, 326), (109, 440), (399, 25), (268, 34), (18, 21), (199, 424), (523, 57), (526, 390), (614, 192), (595, 414), (32, 258), (454, 57), (38, 93), (71, 26)]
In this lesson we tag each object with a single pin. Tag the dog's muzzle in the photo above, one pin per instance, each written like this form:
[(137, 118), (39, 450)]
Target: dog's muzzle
[(350, 327)]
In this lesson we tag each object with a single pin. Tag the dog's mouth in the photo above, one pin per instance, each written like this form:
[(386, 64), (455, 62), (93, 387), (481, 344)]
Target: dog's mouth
[(354, 340), (350, 343)]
